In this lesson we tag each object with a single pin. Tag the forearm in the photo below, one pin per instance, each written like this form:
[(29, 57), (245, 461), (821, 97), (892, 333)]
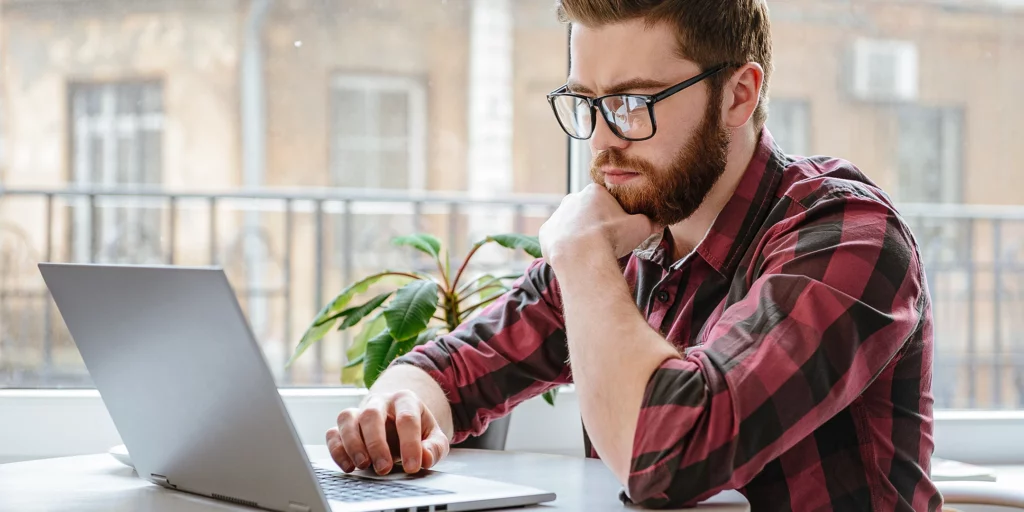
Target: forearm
[(407, 377), (613, 353)]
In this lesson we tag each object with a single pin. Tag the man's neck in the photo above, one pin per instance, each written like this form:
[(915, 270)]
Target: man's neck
[(691, 231)]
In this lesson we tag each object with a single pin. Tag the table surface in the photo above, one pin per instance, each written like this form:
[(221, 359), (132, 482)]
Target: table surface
[(98, 482)]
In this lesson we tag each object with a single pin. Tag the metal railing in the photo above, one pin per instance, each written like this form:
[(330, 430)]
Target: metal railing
[(288, 251)]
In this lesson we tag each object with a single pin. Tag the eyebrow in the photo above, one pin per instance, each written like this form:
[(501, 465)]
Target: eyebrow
[(620, 87)]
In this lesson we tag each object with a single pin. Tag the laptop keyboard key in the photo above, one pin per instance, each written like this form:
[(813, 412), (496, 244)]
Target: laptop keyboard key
[(355, 489)]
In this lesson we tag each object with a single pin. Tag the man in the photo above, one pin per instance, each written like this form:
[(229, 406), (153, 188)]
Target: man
[(732, 317)]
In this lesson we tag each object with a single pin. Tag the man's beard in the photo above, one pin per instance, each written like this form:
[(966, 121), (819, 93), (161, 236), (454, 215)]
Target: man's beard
[(668, 196)]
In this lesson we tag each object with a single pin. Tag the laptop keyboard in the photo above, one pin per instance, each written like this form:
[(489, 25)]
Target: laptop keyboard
[(354, 489)]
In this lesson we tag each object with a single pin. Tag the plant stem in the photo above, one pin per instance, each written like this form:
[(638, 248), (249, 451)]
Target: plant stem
[(451, 309), (504, 288), (403, 274), (462, 268), (499, 279), (480, 304), (444, 275)]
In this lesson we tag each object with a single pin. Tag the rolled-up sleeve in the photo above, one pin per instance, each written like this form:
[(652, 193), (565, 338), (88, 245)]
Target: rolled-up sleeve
[(836, 296), (514, 350)]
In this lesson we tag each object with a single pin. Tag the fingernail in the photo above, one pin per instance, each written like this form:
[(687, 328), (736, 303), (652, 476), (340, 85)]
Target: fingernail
[(360, 460), (380, 464), (413, 463)]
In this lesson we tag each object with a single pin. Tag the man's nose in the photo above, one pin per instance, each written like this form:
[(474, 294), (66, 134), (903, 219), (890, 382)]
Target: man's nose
[(603, 137)]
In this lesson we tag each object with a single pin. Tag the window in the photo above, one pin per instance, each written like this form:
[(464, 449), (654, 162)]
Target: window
[(377, 132), (116, 135), (789, 123), (930, 156), (358, 121)]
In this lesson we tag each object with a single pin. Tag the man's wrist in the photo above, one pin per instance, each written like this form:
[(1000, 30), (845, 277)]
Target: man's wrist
[(579, 251)]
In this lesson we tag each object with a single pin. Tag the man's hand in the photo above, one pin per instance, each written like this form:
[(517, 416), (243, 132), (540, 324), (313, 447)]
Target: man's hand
[(593, 220), (387, 425)]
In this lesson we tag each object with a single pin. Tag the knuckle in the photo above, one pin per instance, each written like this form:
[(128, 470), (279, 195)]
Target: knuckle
[(370, 416), (404, 396), (406, 419), (346, 416)]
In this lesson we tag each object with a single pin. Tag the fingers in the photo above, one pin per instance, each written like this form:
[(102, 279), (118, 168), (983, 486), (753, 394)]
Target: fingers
[(351, 439), (372, 423), (435, 447), (435, 443), (408, 411), (338, 453)]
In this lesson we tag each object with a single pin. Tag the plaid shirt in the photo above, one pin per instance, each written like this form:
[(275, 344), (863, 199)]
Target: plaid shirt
[(805, 328)]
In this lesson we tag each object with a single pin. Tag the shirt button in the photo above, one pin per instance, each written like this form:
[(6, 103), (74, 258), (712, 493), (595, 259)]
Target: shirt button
[(663, 296)]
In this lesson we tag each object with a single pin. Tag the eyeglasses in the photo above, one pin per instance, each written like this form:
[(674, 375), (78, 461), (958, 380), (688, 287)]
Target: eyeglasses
[(629, 116)]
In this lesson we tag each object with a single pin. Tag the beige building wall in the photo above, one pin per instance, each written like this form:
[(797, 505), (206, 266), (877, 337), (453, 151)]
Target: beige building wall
[(193, 52), (968, 58)]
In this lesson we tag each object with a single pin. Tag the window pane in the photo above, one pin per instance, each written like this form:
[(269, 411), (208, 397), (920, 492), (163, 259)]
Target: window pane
[(354, 112), (394, 113)]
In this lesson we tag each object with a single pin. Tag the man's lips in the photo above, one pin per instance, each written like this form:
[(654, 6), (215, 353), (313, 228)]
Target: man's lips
[(618, 176)]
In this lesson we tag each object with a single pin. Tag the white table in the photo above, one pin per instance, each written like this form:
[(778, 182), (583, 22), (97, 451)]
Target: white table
[(98, 482)]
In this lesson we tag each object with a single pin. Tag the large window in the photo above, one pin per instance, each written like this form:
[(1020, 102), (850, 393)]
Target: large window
[(930, 161), (790, 124), (116, 131), (289, 141), (378, 129)]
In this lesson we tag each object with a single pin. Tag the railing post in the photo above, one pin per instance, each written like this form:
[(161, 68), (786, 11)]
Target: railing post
[(172, 211), (287, 271), (93, 242), (997, 327), (213, 231), (47, 307), (972, 342), (318, 285), (453, 228), (346, 262)]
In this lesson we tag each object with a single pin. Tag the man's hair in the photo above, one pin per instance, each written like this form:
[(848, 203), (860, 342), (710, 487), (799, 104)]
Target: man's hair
[(708, 32)]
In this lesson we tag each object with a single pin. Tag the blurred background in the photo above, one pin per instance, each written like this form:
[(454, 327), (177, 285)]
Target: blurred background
[(289, 140)]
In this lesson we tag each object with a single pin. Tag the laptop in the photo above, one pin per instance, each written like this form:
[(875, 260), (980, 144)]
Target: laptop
[(185, 382)]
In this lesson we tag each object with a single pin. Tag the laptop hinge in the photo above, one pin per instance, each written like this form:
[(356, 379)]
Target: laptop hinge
[(161, 481), (297, 507)]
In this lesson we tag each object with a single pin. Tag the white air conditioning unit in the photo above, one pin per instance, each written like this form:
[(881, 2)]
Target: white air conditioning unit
[(883, 70)]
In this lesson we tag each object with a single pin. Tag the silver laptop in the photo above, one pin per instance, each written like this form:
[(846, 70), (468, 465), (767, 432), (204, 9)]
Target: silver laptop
[(180, 372)]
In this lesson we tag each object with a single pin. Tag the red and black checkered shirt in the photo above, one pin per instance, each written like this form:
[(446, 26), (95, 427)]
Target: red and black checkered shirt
[(805, 329)]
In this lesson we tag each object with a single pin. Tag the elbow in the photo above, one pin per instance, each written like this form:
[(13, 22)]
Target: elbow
[(665, 487)]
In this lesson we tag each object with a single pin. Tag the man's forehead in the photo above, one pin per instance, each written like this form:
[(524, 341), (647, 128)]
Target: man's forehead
[(602, 57)]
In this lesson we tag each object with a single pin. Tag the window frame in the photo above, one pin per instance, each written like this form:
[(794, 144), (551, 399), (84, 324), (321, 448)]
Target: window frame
[(417, 122)]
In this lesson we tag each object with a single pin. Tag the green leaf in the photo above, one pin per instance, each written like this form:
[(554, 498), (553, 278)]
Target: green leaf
[(399, 348), (372, 328), (549, 396), (352, 375), (376, 351), (422, 241), (355, 362), (357, 313), (529, 244), (410, 311), (427, 335), (323, 323)]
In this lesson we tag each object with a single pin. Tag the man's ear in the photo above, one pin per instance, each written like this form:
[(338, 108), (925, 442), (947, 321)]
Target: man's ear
[(741, 95)]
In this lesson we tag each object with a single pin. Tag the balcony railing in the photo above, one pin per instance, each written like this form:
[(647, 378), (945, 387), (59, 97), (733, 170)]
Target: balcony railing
[(288, 251)]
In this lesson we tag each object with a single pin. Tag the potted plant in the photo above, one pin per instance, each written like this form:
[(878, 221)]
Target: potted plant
[(416, 308)]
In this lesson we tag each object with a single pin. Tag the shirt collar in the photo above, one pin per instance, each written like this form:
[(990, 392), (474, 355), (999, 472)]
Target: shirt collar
[(740, 219)]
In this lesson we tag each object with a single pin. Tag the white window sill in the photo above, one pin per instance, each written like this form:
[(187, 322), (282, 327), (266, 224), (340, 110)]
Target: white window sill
[(54, 423)]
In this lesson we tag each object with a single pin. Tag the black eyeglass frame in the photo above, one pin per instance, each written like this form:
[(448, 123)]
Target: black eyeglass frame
[(648, 99)]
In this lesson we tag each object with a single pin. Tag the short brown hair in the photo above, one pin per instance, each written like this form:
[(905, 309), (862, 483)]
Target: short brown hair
[(709, 32)]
